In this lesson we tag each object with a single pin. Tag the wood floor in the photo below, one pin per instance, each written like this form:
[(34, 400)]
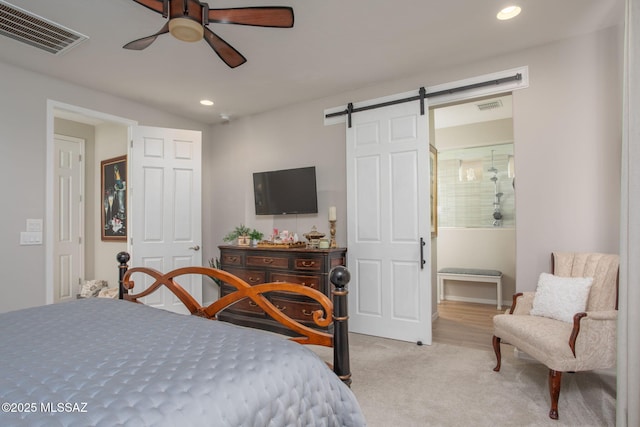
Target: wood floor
[(466, 324)]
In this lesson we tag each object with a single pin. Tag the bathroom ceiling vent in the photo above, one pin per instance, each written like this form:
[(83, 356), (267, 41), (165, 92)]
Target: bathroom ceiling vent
[(36, 31), (491, 105)]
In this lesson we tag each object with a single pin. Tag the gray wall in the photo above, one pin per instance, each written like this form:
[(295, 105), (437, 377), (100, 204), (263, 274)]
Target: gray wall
[(566, 131), (568, 139), (567, 123), (23, 137)]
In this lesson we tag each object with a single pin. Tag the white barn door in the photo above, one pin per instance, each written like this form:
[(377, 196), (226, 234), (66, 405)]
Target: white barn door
[(388, 215), (165, 170)]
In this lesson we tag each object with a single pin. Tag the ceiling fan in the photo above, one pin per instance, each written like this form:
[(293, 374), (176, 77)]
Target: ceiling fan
[(189, 20)]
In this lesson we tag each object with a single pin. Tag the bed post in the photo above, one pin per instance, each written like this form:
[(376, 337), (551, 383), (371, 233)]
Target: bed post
[(123, 259), (340, 276)]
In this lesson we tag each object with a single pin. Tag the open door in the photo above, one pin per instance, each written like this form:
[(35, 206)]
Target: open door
[(68, 205), (166, 232)]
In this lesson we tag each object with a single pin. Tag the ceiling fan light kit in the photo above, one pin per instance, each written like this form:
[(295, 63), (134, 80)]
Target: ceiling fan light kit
[(186, 29), (189, 21)]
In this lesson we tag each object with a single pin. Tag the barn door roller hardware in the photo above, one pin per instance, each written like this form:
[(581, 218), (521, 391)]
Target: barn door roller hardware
[(422, 94)]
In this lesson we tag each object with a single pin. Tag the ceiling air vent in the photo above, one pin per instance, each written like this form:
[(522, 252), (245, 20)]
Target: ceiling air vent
[(36, 31), (489, 105)]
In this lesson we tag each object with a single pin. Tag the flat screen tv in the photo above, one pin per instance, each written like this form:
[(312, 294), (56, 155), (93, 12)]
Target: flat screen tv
[(288, 191)]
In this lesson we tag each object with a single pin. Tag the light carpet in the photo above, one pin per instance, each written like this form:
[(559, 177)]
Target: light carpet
[(402, 384)]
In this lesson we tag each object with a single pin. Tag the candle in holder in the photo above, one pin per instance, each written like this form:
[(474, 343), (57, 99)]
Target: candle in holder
[(332, 226), (332, 213)]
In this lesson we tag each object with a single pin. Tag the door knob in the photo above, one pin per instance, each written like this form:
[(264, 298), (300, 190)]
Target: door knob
[(195, 248)]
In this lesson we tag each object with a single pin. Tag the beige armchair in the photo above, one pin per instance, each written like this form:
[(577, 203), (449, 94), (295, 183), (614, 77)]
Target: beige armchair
[(587, 343)]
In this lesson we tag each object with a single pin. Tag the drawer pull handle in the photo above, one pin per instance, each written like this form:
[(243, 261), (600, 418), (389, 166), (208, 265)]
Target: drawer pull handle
[(308, 263), (310, 285), (253, 304), (307, 313), (254, 279), (232, 258), (268, 260)]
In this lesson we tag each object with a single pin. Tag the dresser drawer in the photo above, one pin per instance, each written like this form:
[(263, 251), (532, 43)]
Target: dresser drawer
[(252, 277), (267, 261), (298, 310), (229, 259), (243, 306), (309, 281), (308, 264)]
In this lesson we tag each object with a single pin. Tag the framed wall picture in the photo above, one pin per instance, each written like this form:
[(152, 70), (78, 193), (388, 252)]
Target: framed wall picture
[(433, 167), (113, 190)]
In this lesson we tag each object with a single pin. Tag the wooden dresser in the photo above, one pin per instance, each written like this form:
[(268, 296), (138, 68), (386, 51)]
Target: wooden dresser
[(307, 267)]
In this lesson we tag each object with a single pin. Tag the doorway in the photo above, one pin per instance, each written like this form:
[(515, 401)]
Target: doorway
[(443, 95), (109, 138), (476, 195), (103, 135)]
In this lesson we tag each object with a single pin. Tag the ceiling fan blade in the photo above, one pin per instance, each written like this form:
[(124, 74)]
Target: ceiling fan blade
[(144, 42), (268, 16), (225, 51), (155, 5)]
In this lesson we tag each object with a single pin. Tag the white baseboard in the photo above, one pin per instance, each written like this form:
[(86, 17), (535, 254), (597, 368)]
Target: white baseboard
[(475, 300)]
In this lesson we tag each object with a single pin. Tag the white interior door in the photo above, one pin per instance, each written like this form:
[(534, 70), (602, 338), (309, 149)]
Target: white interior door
[(388, 214), (68, 229), (165, 171)]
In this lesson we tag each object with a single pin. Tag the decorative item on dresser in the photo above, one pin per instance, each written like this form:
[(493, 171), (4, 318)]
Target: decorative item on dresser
[(241, 234), (303, 266), (332, 226)]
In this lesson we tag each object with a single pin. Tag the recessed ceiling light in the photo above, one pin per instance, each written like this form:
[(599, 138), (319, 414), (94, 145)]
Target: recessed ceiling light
[(508, 13), (206, 102)]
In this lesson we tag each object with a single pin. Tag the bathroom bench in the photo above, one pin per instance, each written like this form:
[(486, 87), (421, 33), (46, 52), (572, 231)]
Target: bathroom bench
[(470, 275)]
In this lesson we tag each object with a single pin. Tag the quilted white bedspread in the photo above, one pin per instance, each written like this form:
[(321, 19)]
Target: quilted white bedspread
[(104, 362)]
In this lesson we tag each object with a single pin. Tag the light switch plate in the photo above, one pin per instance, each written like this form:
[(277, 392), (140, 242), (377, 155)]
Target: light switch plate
[(30, 237)]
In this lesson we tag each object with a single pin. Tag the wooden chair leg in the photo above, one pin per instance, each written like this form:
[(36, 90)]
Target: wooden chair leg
[(554, 391), (496, 349)]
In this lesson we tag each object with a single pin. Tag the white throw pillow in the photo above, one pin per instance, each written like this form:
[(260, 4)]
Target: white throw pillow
[(91, 288), (561, 297)]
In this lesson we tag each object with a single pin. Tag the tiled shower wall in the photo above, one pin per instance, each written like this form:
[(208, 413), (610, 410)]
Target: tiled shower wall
[(466, 192)]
